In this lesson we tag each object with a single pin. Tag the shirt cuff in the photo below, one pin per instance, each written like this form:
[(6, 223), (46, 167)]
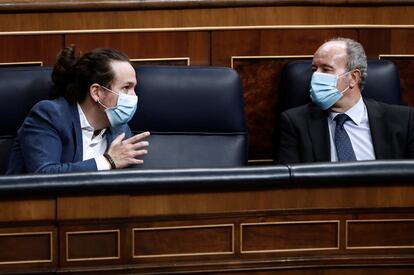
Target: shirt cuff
[(102, 163)]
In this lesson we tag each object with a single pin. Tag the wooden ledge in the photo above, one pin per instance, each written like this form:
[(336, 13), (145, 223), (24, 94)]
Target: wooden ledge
[(8, 6)]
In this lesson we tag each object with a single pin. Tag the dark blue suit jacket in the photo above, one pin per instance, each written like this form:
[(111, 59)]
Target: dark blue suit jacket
[(50, 140)]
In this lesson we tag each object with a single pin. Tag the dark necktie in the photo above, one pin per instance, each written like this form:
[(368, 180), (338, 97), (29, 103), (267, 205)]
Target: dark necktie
[(342, 142)]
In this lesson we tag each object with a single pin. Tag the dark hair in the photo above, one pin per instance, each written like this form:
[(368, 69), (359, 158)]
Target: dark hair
[(73, 74)]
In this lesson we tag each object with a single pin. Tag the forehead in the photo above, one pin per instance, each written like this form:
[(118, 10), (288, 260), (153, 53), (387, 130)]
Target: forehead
[(123, 71), (332, 54)]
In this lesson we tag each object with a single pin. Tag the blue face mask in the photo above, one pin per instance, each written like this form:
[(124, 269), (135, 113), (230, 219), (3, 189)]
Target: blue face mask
[(123, 111), (323, 91)]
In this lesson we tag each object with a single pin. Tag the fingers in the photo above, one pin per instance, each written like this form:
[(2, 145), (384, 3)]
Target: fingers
[(140, 145), (137, 138), (125, 152), (119, 138)]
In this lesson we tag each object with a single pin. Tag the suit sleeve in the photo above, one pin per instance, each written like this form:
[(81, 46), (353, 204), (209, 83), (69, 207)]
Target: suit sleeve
[(288, 148), (42, 140)]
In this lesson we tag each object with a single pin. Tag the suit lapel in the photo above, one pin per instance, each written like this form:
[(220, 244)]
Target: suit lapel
[(317, 124), (378, 129), (77, 132)]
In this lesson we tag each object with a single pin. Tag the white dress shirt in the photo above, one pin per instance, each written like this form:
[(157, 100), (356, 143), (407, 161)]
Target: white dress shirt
[(93, 146), (358, 131)]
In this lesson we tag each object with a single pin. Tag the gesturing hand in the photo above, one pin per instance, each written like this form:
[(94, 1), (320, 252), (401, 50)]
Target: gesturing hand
[(124, 152)]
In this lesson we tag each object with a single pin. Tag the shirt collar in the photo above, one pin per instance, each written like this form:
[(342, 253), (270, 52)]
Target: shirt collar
[(84, 123), (355, 113)]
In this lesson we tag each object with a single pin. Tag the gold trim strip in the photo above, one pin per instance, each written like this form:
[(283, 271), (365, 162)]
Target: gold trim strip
[(232, 58), (293, 249), (27, 63), (375, 247), (50, 233), (395, 55), (186, 59), (182, 254), (93, 232), (218, 28)]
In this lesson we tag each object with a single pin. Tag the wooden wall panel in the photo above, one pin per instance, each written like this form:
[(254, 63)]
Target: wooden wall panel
[(195, 45), (402, 41), (290, 236), (225, 44), (29, 48), (212, 17), (36, 209), (369, 234), (375, 41), (150, 242)]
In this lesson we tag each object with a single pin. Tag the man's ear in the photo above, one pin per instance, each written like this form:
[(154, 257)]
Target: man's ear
[(94, 92), (355, 78)]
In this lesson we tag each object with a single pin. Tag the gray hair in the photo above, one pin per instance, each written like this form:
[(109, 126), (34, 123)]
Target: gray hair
[(356, 58)]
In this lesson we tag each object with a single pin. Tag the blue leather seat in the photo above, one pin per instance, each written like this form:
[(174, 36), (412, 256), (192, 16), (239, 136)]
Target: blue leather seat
[(195, 114), (20, 89)]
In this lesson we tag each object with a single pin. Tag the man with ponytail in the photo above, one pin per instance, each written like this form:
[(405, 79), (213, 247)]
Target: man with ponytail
[(85, 128)]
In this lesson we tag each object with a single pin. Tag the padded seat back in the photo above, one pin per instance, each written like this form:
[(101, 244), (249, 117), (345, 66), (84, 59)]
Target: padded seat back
[(195, 116), (20, 89)]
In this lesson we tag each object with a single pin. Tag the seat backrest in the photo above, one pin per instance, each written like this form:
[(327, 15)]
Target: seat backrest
[(20, 89), (195, 116), (383, 83)]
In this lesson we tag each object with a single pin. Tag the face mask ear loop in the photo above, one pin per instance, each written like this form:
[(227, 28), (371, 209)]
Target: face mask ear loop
[(109, 90), (99, 102), (346, 89)]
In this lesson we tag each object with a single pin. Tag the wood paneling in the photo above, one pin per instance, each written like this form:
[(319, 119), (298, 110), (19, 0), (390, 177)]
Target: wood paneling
[(226, 44), (192, 241), (97, 207), (380, 234), (28, 247), (207, 18), (29, 48), (35, 209), (194, 45), (93, 245), (290, 236), (79, 5)]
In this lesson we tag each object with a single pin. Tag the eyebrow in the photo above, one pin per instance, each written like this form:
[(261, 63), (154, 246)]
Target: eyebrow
[(130, 83)]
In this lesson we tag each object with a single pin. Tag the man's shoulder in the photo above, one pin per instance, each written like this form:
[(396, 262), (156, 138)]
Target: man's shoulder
[(55, 110), (391, 109)]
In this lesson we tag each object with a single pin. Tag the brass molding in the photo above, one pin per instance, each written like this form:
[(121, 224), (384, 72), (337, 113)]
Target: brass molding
[(337, 222), (182, 254), (186, 59), (217, 28), (268, 57), (18, 64), (395, 55), (50, 233), (117, 231), (375, 247)]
